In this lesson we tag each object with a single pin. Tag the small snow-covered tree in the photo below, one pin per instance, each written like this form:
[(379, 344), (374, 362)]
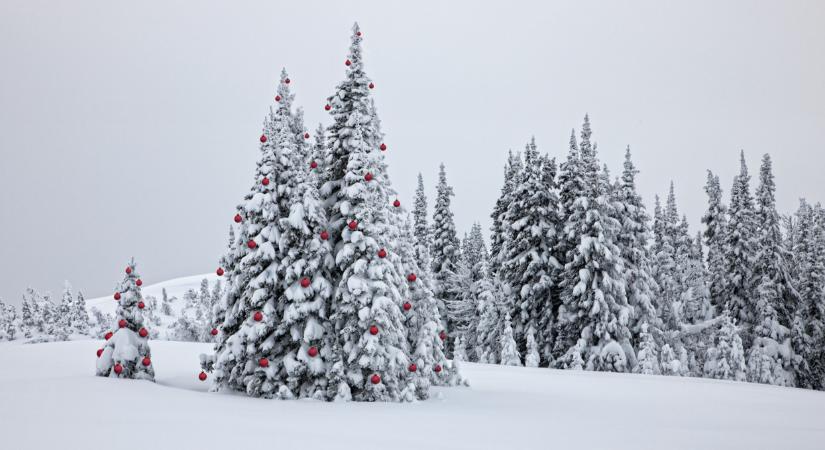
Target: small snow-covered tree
[(509, 351), (715, 221), (648, 355), (726, 359), (531, 359), (126, 353)]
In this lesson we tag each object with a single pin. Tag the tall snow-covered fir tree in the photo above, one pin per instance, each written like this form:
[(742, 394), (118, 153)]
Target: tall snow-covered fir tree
[(501, 224), (740, 254), (367, 316), (422, 227), (126, 353), (593, 320), (528, 260), (445, 248), (715, 238)]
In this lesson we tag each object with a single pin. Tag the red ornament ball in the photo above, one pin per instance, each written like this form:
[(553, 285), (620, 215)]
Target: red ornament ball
[(383, 147), (442, 335), (141, 305), (358, 33), (108, 336), (214, 332), (313, 165), (437, 368), (251, 244), (353, 225), (263, 138), (202, 376), (313, 351), (348, 62), (306, 135), (139, 282), (412, 367), (324, 235), (219, 272), (263, 362), (382, 253), (407, 306), (327, 107), (286, 81), (305, 282), (238, 218), (99, 352), (411, 277), (118, 368), (373, 330), (396, 203), (117, 295), (128, 270), (375, 379), (372, 86), (277, 98), (122, 323), (258, 316), (146, 361), (265, 181), (143, 332)]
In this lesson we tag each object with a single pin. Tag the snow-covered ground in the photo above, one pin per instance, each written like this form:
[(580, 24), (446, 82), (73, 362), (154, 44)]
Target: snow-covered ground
[(50, 399)]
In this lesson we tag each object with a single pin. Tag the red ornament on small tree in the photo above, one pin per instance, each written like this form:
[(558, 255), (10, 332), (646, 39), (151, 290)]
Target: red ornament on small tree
[(265, 181), (108, 335), (214, 332), (99, 352), (437, 368), (383, 147), (327, 107), (442, 335), (263, 138), (202, 376), (263, 362), (139, 282), (368, 176), (141, 305), (117, 295), (313, 351), (407, 306), (251, 244), (277, 98), (375, 379), (371, 85), (412, 367), (382, 253), (118, 368), (396, 203), (313, 165), (305, 282), (143, 332), (258, 316), (128, 270), (373, 330), (146, 361), (122, 323), (286, 80), (348, 62), (324, 235), (238, 218), (353, 225), (219, 272), (411, 277), (306, 135)]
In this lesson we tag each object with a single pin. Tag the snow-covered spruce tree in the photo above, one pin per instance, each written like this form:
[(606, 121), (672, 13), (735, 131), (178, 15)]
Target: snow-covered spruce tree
[(715, 238), (726, 359), (489, 300), (8, 322), (769, 358), (367, 316), (498, 231), (445, 247), (474, 250), (509, 351), (633, 241), (740, 254), (594, 305), (254, 287), (808, 330), (528, 261), (422, 228), (126, 353), (648, 356)]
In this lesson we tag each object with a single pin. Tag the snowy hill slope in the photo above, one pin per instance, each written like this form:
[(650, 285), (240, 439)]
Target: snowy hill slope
[(51, 399)]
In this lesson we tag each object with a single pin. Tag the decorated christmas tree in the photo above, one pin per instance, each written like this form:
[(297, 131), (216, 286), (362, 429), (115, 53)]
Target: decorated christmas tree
[(126, 353)]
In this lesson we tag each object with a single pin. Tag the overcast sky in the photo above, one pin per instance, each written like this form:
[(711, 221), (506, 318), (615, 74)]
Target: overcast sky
[(131, 128)]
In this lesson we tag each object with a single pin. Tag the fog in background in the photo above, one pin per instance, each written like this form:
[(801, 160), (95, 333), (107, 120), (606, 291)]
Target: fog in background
[(131, 128)]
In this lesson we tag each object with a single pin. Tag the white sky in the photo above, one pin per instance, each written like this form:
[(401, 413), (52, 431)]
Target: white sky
[(130, 128)]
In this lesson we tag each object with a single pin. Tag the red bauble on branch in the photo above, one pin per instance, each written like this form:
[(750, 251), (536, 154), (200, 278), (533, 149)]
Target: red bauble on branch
[(442, 335), (117, 295), (219, 272), (396, 203), (313, 351), (99, 352), (383, 147), (277, 98), (214, 332), (306, 135), (265, 181), (327, 107), (251, 244), (358, 33), (348, 62), (122, 323), (371, 86), (324, 235), (118, 368), (202, 376), (139, 282), (411, 277), (263, 362), (313, 165), (353, 225), (437, 368), (368, 176), (373, 330), (108, 335), (305, 282), (407, 306), (375, 379), (412, 367), (286, 80), (143, 332), (258, 316), (263, 138), (128, 270), (382, 253), (146, 361), (238, 218), (141, 305)]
